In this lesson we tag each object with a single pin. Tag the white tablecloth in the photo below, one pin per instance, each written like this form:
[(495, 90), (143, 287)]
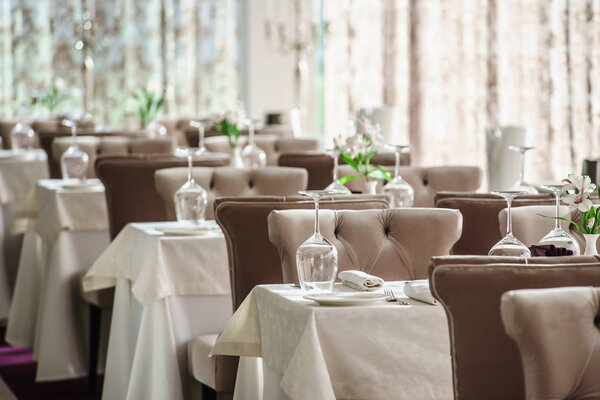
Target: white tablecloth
[(48, 313), (169, 289), (380, 351), (17, 177)]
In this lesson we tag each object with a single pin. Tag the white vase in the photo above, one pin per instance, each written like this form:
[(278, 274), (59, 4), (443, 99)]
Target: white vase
[(371, 187), (590, 244)]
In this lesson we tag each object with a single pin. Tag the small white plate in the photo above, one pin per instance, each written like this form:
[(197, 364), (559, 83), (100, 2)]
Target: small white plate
[(184, 231), (81, 185), (345, 299)]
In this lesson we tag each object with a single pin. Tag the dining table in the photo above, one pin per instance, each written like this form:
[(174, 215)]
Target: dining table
[(67, 232), (292, 347), (170, 286), (19, 171)]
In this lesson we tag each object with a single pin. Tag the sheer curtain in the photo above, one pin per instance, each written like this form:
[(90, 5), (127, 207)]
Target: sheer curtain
[(452, 67), (184, 48)]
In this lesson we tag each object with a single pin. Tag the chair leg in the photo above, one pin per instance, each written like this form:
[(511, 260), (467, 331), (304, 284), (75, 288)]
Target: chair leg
[(95, 315)]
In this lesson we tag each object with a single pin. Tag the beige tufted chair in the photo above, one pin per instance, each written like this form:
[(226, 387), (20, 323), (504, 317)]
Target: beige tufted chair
[(228, 181), (395, 244), (111, 145), (272, 145), (426, 181), (557, 332)]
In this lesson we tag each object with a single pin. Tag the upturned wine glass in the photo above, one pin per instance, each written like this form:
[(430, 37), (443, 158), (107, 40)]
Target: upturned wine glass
[(190, 199), (200, 126), (336, 186), (509, 245), (252, 155), (558, 236), (400, 191), (316, 258), (74, 162), (21, 137), (523, 185)]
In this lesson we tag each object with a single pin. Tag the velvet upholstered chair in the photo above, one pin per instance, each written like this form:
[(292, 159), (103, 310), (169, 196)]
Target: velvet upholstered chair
[(229, 181), (253, 260), (394, 244), (557, 332), (485, 361), (480, 217)]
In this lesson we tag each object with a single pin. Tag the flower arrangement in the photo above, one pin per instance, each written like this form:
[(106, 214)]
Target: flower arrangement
[(228, 127), (578, 190), (149, 105), (50, 99), (357, 151)]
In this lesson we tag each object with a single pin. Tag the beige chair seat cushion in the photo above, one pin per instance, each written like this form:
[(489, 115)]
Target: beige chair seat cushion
[(200, 365), (557, 332)]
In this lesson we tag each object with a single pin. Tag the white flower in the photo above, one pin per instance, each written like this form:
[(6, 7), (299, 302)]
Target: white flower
[(576, 200)]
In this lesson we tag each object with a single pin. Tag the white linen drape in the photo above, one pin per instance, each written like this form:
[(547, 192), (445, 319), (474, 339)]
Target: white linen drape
[(452, 67), (187, 48)]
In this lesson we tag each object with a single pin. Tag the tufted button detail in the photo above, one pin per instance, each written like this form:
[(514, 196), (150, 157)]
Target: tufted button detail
[(425, 182), (597, 321), (386, 230), (250, 184), (336, 231), (212, 184)]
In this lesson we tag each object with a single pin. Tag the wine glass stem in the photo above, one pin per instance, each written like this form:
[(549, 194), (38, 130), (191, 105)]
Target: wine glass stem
[(316, 199), (201, 137), (251, 134), (522, 166), (556, 222), (508, 218), (73, 134), (397, 166), (335, 167), (189, 167)]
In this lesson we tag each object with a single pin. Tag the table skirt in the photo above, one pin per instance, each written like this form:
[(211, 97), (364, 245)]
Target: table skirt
[(147, 349), (9, 256)]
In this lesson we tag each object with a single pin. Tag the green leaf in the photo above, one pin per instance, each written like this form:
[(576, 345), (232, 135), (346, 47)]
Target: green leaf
[(565, 219), (369, 156), (387, 175), (349, 160), (348, 178)]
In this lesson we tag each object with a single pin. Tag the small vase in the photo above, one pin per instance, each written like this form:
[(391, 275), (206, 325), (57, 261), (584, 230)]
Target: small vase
[(371, 187), (590, 244), (236, 157)]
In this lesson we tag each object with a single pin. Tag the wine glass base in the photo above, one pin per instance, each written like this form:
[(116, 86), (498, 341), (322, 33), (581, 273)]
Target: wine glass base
[(338, 188), (560, 239), (510, 246)]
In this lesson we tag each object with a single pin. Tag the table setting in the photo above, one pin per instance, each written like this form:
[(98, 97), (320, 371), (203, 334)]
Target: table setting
[(163, 274), (47, 314), (324, 344)]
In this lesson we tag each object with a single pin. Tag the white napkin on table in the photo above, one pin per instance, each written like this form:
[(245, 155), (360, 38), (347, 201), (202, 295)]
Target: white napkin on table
[(419, 290), (359, 280)]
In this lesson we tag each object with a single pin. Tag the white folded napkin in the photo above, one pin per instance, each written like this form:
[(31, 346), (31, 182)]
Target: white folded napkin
[(419, 290), (359, 280)]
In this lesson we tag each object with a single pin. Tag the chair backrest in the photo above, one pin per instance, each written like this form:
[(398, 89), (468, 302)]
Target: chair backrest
[(320, 165), (131, 195), (229, 181), (253, 260), (426, 181), (112, 145), (485, 361), (557, 332), (480, 217), (273, 145), (384, 243)]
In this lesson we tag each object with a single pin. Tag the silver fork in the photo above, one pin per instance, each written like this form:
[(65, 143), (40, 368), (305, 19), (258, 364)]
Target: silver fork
[(389, 293)]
